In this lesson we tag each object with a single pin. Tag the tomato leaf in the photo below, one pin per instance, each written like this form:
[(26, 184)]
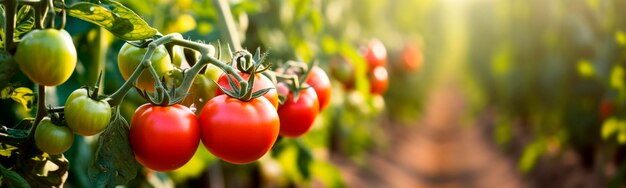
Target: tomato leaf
[(21, 95), (304, 160), (115, 17), (12, 178), (114, 162), (24, 21)]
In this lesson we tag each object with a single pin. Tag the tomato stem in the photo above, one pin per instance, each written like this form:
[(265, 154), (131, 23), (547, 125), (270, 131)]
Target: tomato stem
[(11, 9)]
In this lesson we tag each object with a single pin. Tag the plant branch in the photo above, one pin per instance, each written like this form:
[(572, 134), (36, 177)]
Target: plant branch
[(229, 32)]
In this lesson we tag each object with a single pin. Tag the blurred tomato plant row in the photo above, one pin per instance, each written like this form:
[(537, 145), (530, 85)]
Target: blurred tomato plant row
[(555, 80), (164, 93)]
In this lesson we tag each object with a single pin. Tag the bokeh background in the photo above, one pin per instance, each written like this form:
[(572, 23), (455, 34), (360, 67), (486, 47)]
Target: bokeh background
[(482, 93)]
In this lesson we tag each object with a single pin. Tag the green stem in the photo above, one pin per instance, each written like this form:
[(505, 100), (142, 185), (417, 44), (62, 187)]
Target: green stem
[(229, 32), (41, 110), (11, 9)]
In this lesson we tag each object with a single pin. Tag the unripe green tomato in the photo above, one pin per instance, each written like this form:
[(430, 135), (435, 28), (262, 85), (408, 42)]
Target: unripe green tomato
[(86, 116), (53, 139), (47, 57), (130, 57), (203, 88)]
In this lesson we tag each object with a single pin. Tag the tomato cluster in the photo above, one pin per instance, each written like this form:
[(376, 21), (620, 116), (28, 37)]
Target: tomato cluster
[(234, 129), (376, 56)]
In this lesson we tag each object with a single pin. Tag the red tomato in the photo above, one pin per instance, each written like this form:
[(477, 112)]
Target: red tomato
[(297, 115), (379, 80), (412, 58), (260, 82), (321, 84), (237, 131), (606, 109), (375, 54), (164, 138)]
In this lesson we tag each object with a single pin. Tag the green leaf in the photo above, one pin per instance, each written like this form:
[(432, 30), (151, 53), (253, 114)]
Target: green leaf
[(328, 174), (12, 178), (115, 17), (304, 160), (24, 21), (114, 162), (609, 128), (531, 155), (21, 95)]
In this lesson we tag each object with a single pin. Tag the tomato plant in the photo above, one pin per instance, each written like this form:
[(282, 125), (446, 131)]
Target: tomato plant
[(238, 131), (53, 139), (379, 80), (318, 79), (261, 82), (297, 114), (164, 138), (130, 57), (54, 60), (85, 115)]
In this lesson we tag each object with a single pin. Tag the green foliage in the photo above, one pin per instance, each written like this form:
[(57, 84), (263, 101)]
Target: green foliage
[(21, 95), (12, 178), (114, 163), (113, 16)]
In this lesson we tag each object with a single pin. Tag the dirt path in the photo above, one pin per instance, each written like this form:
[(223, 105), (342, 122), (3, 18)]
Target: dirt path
[(441, 151)]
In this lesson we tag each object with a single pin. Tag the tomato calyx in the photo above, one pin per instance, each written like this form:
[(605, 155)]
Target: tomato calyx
[(293, 75), (247, 64)]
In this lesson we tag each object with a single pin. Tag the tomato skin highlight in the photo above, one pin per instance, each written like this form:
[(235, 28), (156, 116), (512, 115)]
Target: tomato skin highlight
[(86, 116), (318, 79), (297, 116), (53, 139), (236, 131), (130, 57), (164, 138), (375, 54), (260, 82), (47, 57)]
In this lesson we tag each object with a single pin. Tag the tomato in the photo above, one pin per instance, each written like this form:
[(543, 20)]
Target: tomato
[(260, 82), (130, 57), (412, 58), (379, 80), (297, 115), (47, 57), (86, 116), (606, 109), (342, 69), (237, 131), (51, 138), (321, 84), (164, 138), (375, 54)]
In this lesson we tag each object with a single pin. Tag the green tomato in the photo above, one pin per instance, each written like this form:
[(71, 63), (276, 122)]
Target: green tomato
[(47, 57), (53, 139), (130, 57), (86, 116), (203, 88)]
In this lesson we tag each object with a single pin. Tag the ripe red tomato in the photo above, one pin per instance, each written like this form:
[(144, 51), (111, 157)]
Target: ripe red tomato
[(379, 80), (412, 58), (321, 84), (238, 131), (164, 138), (375, 54), (606, 109), (260, 82), (297, 115)]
